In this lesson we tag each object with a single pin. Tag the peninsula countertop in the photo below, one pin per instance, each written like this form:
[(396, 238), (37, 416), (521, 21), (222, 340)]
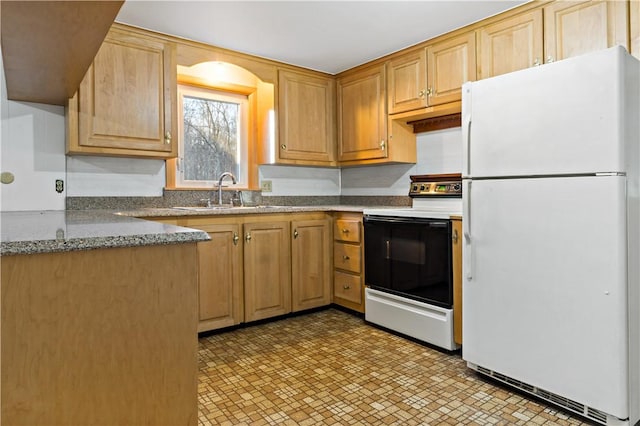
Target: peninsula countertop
[(31, 232), (48, 231)]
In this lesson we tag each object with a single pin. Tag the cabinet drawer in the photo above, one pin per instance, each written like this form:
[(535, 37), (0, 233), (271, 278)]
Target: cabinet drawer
[(346, 256), (347, 230), (347, 286)]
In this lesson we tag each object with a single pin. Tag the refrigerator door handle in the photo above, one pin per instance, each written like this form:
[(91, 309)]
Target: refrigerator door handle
[(466, 127), (467, 150), (467, 257)]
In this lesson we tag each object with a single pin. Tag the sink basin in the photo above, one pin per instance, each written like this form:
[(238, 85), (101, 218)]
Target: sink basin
[(224, 207), (203, 209)]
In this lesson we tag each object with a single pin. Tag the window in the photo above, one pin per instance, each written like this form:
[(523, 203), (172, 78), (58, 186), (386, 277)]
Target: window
[(213, 137)]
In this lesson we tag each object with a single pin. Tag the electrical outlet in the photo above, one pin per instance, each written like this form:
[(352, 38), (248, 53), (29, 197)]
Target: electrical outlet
[(265, 186)]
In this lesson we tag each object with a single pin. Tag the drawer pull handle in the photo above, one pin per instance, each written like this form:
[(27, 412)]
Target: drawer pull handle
[(346, 287), (345, 231), (345, 257)]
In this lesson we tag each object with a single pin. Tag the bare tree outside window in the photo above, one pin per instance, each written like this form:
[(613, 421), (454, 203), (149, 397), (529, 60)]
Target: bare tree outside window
[(214, 128), (210, 138)]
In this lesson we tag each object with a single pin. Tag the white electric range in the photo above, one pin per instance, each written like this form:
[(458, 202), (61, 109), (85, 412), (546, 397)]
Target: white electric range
[(408, 261)]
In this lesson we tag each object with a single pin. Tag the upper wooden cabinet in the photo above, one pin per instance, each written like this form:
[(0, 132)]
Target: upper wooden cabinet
[(511, 44), (366, 134), (573, 28), (450, 63), (306, 124), (126, 102), (433, 76), (634, 28), (362, 127), (408, 82)]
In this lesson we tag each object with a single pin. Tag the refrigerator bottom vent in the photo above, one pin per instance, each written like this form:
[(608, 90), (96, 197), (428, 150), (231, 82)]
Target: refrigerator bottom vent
[(571, 405)]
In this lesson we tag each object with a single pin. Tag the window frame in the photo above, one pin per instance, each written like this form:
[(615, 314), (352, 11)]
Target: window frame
[(217, 94)]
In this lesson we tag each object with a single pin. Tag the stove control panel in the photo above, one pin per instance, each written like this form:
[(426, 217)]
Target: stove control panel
[(436, 189)]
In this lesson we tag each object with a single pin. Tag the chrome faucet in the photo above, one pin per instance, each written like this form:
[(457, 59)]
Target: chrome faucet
[(222, 176)]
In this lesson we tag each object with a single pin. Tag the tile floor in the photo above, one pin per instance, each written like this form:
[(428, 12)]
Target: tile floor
[(330, 368)]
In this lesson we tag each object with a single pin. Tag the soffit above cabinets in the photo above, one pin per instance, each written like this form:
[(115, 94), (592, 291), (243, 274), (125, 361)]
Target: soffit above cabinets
[(47, 46), (326, 36)]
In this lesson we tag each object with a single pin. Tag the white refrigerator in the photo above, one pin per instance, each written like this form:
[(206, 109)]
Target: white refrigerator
[(551, 225)]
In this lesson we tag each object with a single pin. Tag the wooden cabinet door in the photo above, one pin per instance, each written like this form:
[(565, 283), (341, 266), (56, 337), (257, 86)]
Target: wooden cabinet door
[(511, 44), (267, 270), (572, 28), (310, 264), (306, 106), (362, 126), (408, 82), (456, 248), (450, 63), (126, 99), (220, 277), (634, 27)]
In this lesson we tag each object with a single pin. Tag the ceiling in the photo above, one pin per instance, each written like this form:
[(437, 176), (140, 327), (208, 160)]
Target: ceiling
[(329, 36)]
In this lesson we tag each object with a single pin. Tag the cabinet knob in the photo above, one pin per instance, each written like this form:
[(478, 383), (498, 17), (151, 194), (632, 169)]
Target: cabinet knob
[(550, 59), (295, 233), (247, 237), (536, 62), (346, 287), (167, 138), (345, 257), (422, 93), (345, 231), (382, 145), (283, 146), (430, 91), (454, 237), (236, 238)]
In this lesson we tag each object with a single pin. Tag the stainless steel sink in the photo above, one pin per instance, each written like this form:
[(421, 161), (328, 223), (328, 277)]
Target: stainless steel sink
[(223, 207), (203, 209)]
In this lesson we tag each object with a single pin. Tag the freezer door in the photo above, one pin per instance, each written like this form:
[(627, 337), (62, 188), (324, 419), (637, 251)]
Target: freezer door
[(559, 118), (544, 285)]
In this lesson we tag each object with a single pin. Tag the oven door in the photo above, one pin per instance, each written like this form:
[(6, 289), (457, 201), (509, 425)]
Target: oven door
[(410, 257)]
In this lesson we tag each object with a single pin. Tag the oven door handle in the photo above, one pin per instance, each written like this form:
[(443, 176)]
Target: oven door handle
[(467, 253)]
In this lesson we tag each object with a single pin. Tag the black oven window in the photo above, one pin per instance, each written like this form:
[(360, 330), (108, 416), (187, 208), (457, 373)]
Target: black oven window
[(410, 258)]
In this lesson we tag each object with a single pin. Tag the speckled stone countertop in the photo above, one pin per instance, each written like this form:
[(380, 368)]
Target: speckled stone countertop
[(31, 232), (203, 211)]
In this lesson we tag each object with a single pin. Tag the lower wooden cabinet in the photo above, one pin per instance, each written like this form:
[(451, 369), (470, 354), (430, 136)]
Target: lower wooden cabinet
[(456, 248), (347, 290), (104, 336), (261, 266), (267, 269), (310, 264), (348, 261), (220, 276)]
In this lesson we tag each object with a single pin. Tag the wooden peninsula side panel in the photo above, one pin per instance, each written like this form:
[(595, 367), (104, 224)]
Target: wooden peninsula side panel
[(103, 336)]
